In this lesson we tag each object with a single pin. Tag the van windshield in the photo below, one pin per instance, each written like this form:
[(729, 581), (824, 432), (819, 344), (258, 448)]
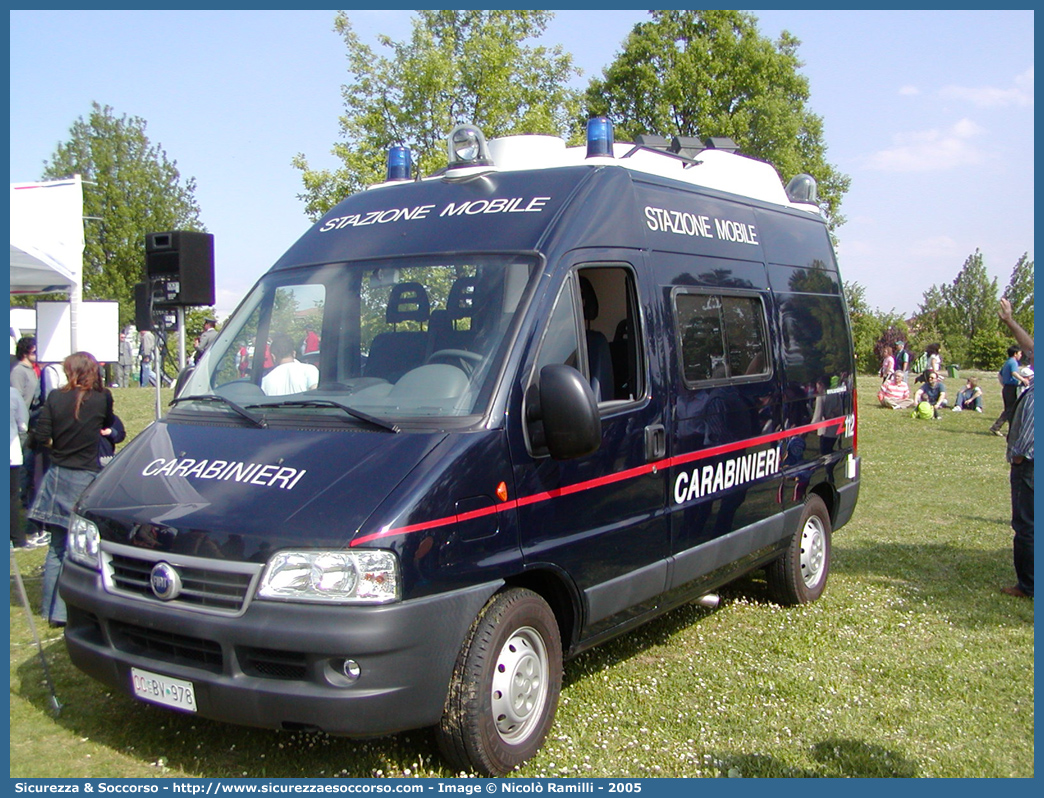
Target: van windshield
[(396, 339)]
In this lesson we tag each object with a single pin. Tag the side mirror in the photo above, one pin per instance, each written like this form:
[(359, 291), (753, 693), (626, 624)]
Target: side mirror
[(564, 405), (183, 377)]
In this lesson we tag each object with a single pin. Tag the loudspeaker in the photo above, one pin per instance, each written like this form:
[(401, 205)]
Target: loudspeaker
[(142, 316), (180, 267)]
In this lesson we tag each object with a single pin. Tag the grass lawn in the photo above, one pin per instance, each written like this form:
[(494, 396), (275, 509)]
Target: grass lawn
[(912, 664)]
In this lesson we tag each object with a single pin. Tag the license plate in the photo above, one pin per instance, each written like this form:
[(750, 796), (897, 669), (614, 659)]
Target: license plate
[(163, 690)]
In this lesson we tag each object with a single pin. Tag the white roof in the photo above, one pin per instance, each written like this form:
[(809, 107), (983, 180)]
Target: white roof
[(716, 169)]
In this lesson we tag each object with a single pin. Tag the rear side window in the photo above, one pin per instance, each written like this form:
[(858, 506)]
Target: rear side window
[(720, 337)]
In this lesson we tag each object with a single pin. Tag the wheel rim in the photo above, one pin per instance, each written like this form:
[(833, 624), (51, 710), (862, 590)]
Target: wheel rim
[(813, 552), (519, 689)]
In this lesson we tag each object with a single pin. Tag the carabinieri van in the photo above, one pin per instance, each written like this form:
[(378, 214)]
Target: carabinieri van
[(471, 424)]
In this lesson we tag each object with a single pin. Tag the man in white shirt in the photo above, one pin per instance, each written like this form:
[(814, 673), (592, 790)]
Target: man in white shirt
[(289, 374)]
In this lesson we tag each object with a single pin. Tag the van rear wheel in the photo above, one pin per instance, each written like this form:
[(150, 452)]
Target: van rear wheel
[(799, 576), (505, 686)]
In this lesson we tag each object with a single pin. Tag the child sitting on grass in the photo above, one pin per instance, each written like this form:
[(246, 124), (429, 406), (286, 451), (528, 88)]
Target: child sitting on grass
[(969, 397)]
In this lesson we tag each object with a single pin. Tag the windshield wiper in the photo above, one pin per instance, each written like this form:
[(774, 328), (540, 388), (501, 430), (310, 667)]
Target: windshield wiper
[(357, 414), (257, 421)]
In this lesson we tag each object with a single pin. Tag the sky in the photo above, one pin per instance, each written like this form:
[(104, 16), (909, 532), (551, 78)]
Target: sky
[(929, 112)]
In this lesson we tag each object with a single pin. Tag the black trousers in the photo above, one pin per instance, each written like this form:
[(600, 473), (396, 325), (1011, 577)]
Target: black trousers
[(17, 523), (1009, 393), (1022, 523)]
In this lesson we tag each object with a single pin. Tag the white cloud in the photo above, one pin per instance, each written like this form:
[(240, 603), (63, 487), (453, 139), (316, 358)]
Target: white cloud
[(929, 150), (909, 91), (1020, 94), (937, 247)]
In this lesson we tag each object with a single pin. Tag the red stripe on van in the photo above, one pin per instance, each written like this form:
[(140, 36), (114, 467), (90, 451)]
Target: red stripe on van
[(609, 479)]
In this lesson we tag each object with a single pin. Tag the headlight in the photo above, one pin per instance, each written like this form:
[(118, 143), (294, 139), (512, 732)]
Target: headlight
[(336, 577), (83, 542)]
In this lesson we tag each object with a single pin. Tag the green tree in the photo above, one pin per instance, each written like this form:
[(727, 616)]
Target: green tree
[(130, 189), (971, 300), (962, 312), (1020, 292), (458, 66), (711, 73), (988, 348)]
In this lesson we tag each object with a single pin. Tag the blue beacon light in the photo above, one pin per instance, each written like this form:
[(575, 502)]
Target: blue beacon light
[(599, 137), (399, 163)]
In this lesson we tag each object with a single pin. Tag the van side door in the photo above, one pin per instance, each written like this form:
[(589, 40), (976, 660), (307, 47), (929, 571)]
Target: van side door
[(727, 454), (599, 519)]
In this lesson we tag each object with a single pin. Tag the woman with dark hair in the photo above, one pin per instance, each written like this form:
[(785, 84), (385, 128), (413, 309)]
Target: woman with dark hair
[(71, 422), (887, 363)]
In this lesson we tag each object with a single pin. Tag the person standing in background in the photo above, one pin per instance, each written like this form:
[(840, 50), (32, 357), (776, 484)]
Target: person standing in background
[(19, 431), (125, 362), (206, 338), (902, 358), (147, 350), (24, 376), (1019, 454), (1010, 380), (70, 424), (887, 363)]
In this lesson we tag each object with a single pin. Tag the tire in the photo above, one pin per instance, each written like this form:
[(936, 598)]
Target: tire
[(799, 576), (505, 686)]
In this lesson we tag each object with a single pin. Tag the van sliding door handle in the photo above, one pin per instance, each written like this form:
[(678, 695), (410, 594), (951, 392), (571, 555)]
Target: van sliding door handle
[(655, 442)]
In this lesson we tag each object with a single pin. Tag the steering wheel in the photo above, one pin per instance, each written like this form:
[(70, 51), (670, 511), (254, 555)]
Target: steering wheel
[(467, 361)]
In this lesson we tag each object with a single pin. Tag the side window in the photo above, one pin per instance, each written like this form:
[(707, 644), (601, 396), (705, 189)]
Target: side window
[(560, 344), (720, 336), (609, 353), (744, 335), (699, 328)]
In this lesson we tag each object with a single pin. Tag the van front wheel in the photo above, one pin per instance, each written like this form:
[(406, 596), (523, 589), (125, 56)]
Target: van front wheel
[(505, 686), (800, 574)]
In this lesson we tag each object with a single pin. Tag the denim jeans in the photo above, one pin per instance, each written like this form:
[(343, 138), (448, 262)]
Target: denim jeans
[(965, 396), (53, 606)]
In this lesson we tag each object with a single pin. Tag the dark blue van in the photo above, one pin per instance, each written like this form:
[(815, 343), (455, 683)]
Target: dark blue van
[(469, 425)]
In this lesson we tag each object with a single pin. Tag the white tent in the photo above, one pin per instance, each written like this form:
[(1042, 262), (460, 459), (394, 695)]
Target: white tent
[(46, 236), (47, 240)]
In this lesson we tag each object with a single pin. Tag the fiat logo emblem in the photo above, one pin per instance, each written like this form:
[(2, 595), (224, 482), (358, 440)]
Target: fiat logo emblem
[(165, 582)]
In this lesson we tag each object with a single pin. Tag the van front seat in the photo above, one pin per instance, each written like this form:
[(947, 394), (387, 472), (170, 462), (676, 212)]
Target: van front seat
[(460, 304), (599, 355), (394, 353)]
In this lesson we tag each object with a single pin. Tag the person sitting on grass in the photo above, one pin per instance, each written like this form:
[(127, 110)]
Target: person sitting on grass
[(895, 393), (969, 397), (933, 392)]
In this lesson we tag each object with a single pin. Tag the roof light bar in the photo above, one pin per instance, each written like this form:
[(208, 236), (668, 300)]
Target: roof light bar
[(400, 164), (599, 137), (686, 146), (723, 143)]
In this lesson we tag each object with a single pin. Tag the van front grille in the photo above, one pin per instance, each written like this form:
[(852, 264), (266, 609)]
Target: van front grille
[(207, 585)]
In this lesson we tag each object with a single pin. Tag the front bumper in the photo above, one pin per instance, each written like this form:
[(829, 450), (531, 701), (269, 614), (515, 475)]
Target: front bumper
[(277, 664)]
